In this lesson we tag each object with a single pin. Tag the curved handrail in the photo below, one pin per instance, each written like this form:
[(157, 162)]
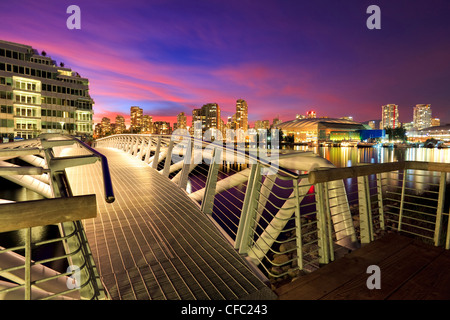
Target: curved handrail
[(248, 156), (107, 183)]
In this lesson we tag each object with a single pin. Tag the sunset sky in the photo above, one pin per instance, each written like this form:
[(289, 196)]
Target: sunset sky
[(282, 56)]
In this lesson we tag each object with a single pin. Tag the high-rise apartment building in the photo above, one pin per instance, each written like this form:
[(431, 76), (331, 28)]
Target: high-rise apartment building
[(136, 114), (147, 124), (389, 116), (181, 121), (208, 117), (161, 127), (105, 126), (120, 125), (38, 96), (276, 121), (241, 115), (422, 116)]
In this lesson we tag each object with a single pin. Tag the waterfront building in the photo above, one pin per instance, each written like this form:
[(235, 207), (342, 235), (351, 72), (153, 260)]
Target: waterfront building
[(389, 116), (440, 133), (322, 129), (422, 116), (39, 96)]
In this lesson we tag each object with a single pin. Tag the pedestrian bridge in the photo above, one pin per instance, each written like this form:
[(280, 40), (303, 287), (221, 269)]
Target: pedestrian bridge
[(180, 218)]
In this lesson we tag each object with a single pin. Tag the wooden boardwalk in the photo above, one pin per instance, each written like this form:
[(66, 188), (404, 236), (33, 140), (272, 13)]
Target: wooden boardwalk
[(410, 270), (153, 242)]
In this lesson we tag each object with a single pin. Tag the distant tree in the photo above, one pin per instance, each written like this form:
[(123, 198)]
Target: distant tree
[(398, 133)]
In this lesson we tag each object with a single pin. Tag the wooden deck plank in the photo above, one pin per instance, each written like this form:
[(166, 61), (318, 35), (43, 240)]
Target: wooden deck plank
[(409, 270), (323, 281), (431, 283), (395, 270), (153, 242)]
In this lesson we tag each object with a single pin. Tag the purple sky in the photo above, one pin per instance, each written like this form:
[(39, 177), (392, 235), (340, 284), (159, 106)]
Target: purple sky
[(283, 56)]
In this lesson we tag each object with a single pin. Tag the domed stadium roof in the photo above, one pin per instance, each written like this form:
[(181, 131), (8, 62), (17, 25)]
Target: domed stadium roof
[(312, 123)]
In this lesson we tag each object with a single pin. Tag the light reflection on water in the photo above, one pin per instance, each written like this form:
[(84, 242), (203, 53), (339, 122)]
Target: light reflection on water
[(343, 156)]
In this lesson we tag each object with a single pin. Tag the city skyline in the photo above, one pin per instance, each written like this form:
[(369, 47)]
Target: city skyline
[(171, 57)]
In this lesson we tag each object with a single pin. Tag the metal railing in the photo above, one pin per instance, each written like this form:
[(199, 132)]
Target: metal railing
[(289, 222), (25, 268)]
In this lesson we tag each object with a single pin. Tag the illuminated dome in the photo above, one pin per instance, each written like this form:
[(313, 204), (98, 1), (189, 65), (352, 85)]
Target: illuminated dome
[(322, 129)]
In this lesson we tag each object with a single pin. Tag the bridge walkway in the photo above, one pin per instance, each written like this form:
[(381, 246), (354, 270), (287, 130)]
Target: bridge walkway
[(153, 242)]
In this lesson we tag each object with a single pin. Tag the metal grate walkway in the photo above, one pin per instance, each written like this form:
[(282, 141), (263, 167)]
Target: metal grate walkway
[(153, 242)]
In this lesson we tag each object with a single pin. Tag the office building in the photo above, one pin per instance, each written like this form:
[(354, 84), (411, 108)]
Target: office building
[(39, 96)]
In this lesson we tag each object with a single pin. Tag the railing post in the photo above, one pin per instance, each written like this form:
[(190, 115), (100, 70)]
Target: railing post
[(168, 161), (322, 229), (244, 211), (365, 214), (380, 201), (156, 155), (28, 264), (136, 145), (250, 212), (440, 208), (211, 181), (130, 145), (402, 199), (182, 183), (298, 226), (141, 149), (149, 149)]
